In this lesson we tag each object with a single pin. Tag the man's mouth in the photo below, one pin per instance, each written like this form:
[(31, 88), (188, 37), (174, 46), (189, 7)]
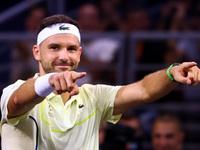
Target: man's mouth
[(63, 66)]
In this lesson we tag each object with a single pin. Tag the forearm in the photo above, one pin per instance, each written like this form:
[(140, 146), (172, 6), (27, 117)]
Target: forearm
[(34, 90), (149, 89), (23, 99), (157, 85)]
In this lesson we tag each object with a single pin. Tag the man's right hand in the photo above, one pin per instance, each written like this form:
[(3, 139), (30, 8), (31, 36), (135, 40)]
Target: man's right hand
[(65, 82)]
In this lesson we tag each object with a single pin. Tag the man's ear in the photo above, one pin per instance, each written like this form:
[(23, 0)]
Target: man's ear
[(80, 50), (36, 52), (79, 53)]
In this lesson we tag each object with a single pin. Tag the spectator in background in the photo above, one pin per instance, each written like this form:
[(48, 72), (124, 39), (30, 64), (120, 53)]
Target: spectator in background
[(167, 133), (146, 51), (35, 15), (89, 18), (132, 121), (98, 52), (190, 48), (22, 53), (125, 135), (174, 17), (109, 11), (136, 19)]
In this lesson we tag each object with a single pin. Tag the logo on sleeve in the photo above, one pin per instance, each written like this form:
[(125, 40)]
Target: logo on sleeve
[(63, 28)]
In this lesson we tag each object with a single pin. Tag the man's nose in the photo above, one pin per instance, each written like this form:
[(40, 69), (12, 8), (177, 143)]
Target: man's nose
[(163, 142), (64, 55)]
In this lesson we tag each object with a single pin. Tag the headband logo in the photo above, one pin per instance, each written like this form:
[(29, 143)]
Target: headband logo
[(63, 28)]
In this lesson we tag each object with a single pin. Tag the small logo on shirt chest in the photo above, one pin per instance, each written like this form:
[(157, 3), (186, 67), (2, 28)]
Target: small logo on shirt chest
[(80, 106)]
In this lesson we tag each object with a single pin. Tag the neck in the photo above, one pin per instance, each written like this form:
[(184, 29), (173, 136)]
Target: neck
[(65, 96)]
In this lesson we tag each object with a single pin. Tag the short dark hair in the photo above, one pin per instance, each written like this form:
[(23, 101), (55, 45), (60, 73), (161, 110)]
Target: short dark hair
[(167, 117), (55, 19)]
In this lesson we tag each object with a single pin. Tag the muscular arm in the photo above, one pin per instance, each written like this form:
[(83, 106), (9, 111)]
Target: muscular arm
[(152, 87), (23, 99)]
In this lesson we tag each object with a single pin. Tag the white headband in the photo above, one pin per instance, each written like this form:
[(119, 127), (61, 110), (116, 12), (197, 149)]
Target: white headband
[(58, 29)]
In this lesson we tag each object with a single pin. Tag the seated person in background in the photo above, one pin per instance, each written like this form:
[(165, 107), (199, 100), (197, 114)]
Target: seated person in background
[(167, 133), (25, 65), (98, 52), (132, 121), (125, 135)]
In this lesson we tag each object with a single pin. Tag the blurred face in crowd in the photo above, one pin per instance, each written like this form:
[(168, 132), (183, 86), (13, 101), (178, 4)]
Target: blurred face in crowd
[(133, 123), (167, 136), (138, 20), (56, 54), (88, 18), (34, 19)]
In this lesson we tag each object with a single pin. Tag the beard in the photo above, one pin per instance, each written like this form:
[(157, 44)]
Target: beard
[(49, 68)]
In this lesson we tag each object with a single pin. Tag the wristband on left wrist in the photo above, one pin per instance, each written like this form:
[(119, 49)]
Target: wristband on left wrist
[(168, 74)]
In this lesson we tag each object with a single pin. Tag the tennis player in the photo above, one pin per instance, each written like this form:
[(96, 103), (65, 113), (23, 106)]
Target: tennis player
[(50, 112)]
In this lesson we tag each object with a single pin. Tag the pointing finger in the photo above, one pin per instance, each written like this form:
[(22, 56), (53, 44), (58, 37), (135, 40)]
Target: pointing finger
[(78, 75), (188, 65)]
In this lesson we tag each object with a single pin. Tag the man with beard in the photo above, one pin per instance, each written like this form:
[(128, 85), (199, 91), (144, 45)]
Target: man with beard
[(49, 111)]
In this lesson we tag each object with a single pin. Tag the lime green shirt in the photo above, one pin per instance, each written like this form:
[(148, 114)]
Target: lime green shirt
[(52, 125)]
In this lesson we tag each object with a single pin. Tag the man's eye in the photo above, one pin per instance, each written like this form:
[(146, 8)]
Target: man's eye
[(71, 49), (54, 47)]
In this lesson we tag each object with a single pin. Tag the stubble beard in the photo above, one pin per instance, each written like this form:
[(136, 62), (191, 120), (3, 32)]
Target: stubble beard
[(51, 68)]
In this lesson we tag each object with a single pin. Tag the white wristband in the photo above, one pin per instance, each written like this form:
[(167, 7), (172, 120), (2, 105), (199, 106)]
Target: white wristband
[(42, 86)]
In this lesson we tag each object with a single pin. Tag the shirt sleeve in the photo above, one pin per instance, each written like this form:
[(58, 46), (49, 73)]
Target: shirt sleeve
[(105, 96), (7, 92)]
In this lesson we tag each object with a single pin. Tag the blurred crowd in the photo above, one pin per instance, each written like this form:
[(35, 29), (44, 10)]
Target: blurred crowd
[(166, 133), (117, 16)]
